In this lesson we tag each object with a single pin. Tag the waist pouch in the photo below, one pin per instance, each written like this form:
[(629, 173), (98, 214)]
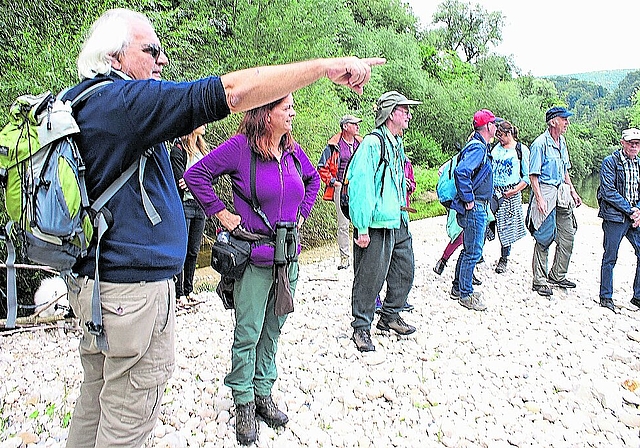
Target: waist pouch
[(231, 258)]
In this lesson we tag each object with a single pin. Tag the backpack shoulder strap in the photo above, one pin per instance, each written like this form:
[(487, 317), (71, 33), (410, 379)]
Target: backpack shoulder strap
[(383, 157), (519, 153)]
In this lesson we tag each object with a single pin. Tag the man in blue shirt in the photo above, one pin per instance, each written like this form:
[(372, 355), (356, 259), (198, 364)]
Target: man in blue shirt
[(474, 185), (550, 217)]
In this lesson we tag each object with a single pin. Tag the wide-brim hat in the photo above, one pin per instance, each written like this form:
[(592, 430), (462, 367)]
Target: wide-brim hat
[(387, 102)]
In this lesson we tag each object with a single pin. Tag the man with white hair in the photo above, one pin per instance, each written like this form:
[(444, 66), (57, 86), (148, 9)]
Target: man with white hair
[(619, 200), (550, 217), (128, 359)]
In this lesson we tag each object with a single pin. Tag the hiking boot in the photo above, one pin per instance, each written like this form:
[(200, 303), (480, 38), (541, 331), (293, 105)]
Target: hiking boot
[(502, 265), (344, 262), (564, 283), (475, 280), (607, 303), (407, 307), (362, 338), (439, 267), (473, 302), (543, 290), (635, 302), (269, 412), (246, 427), (398, 325), (454, 294)]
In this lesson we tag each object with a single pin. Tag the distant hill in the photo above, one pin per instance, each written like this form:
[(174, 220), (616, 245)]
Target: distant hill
[(609, 79)]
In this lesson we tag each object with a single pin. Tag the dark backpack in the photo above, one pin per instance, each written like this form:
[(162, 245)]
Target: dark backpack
[(344, 189)]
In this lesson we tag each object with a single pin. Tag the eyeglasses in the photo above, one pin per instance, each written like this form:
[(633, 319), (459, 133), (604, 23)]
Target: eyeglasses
[(633, 143), (404, 110), (154, 50)]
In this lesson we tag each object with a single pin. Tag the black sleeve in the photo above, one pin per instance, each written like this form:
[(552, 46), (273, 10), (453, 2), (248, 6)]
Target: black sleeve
[(178, 159)]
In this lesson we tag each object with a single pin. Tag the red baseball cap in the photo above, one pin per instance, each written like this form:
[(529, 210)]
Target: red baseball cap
[(482, 117)]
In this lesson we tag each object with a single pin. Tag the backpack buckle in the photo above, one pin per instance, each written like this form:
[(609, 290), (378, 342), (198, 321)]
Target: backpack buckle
[(94, 329)]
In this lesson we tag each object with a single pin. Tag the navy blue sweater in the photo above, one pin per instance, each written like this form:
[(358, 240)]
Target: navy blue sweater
[(118, 123)]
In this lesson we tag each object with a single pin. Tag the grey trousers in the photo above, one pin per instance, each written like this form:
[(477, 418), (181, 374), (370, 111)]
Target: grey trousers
[(343, 226), (389, 257), (566, 227)]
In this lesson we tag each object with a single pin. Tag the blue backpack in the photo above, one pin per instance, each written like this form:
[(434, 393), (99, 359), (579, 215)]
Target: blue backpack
[(446, 187)]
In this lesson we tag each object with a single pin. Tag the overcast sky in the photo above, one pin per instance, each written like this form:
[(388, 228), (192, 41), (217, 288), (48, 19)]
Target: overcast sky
[(555, 37)]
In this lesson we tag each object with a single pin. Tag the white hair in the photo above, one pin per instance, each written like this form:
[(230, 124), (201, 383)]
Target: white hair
[(108, 37)]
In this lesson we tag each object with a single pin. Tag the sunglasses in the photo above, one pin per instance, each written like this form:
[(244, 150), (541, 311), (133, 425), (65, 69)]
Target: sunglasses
[(154, 50)]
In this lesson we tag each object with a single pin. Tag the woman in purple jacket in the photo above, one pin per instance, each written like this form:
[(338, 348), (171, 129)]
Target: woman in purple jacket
[(287, 184)]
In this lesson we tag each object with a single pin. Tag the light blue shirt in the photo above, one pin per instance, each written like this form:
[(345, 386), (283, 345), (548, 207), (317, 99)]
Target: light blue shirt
[(548, 160), (506, 166)]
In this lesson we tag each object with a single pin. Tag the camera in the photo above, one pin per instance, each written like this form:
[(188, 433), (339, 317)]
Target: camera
[(286, 246)]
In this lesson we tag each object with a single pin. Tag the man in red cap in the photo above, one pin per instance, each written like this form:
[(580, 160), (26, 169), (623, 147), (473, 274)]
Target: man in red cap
[(474, 183)]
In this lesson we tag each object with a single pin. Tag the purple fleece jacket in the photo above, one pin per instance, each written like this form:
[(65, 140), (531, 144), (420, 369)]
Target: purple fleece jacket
[(282, 193)]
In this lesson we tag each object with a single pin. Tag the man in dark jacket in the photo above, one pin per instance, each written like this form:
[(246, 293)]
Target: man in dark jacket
[(474, 185), (129, 357), (618, 197)]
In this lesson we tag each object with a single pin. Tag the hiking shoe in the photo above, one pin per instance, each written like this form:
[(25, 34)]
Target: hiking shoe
[(408, 307), (635, 302), (564, 283), (269, 412), (344, 262), (398, 325), (607, 303), (502, 265), (543, 290), (473, 302), (454, 294), (439, 267), (362, 338), (475, 280), (246, 427)]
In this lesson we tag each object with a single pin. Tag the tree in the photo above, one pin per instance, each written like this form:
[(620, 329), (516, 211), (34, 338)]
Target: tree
[(468, 29)]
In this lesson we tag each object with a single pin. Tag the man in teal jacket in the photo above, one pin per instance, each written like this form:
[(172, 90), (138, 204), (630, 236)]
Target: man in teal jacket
[(383, 250)]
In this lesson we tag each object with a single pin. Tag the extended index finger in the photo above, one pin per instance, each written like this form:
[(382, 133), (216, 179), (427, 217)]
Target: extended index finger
[(374, 61)]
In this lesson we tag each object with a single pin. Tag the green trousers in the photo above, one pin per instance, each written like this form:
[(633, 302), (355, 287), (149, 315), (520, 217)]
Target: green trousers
[(255, 339), (566, 227)]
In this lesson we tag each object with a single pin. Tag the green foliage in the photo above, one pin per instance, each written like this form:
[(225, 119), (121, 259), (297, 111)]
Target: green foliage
[(468, 29), (625, 91), (449, 67), (608, 79)]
